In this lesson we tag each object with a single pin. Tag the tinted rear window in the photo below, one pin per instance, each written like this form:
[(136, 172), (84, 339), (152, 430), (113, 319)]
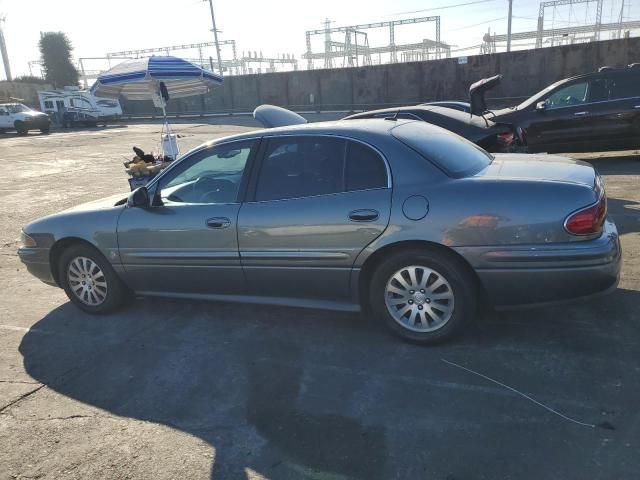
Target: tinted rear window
[(455, 155)]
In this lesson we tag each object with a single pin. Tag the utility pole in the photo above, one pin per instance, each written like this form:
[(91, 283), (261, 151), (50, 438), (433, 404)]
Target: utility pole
[(3, 51), (509, 26), (215, 36)]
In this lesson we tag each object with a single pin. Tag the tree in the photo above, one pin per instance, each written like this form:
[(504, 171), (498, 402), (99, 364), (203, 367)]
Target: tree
[(55, 49)]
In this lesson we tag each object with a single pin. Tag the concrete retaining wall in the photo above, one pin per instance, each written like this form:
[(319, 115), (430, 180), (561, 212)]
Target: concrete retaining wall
[(525, 73)]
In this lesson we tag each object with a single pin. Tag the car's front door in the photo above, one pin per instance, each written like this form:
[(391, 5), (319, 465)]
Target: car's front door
[(563, 122), (186, 242), (315, 203)]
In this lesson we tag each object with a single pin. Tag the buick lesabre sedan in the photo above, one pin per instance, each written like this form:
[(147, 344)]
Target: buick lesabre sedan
[(397, 217)]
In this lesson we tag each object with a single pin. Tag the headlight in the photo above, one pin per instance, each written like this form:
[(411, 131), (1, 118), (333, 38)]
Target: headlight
[(26, 241)]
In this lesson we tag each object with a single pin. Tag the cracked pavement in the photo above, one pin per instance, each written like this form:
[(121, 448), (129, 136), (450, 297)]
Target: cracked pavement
[(182, 389)]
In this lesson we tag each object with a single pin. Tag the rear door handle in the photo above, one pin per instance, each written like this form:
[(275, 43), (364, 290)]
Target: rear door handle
[(364, 215), (580, 114), (218, 222)]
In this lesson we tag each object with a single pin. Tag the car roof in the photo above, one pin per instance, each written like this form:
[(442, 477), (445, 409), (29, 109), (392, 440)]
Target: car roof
[(602, 73)]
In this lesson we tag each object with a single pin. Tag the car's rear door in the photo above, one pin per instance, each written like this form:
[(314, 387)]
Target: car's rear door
[(186, 243), (315, 203), (618, 124)]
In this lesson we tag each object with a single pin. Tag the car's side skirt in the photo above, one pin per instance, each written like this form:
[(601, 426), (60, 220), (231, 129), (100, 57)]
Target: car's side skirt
[(261, 300)]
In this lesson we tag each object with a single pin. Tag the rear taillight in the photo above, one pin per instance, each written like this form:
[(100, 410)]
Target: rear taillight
[(506, 139), (589, 220)]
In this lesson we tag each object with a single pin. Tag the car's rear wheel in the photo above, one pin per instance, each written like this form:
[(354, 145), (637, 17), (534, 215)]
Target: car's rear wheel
[(423, 296), (89, 280)]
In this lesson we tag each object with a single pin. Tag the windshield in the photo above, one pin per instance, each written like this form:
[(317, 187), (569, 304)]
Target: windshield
[(17, 108), (455, 155)]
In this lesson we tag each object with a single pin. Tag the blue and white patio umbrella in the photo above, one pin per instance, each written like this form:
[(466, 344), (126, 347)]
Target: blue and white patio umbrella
[(157, 79), (139, 79)]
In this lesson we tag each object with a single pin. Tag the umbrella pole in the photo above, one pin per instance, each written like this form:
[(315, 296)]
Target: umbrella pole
[(166, 130)]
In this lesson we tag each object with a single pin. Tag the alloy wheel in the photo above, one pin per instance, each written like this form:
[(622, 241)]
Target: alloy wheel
[(419, 298), (87, 281)]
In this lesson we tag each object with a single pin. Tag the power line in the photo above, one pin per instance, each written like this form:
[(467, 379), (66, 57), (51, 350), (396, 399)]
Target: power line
[(445, 7), (477, 24)]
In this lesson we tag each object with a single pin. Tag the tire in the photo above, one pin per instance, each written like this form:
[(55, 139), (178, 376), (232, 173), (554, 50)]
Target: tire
[(434, 320), (21, 127), (104, 292), (45, 131)]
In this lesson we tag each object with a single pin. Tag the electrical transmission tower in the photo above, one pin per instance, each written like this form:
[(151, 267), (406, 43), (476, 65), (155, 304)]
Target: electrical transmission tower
[(355, 49)]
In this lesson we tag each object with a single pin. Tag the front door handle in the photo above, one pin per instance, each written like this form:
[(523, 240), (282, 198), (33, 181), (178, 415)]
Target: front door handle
[(364, 215), (580, 114), (218, 222), (637, 107)]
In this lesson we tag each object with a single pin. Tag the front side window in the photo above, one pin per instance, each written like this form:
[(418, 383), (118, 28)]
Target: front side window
[(575, 94), (48, 104), (209, 176), (18, 108), (599, 90)]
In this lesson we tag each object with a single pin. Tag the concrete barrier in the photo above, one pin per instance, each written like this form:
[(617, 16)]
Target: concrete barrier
[(348, 89)]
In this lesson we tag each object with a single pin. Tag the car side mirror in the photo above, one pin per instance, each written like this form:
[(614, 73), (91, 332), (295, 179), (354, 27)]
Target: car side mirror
[(139, 198), (541, 106)]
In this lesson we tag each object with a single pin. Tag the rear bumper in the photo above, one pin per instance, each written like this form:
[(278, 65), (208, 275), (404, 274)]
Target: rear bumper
[(517, 275), (37, 262)]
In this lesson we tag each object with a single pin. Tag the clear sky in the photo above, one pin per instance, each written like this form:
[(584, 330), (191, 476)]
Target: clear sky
[(273, 27)]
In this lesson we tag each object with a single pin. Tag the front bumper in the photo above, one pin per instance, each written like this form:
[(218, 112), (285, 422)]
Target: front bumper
[(37, 262), (38, 122), (538, 274)]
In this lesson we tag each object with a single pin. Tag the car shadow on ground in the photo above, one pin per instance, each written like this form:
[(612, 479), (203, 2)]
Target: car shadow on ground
[(295, 393), (625, 213), (618, 165)]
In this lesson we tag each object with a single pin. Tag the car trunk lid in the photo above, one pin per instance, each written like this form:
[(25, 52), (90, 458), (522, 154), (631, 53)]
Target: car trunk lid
[(550, 168), (477, 91)]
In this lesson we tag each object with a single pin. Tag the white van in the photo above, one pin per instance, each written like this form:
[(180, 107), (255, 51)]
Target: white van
[(72, 105)]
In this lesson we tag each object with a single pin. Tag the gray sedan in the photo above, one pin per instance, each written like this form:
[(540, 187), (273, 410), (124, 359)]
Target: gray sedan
[(398, 217)]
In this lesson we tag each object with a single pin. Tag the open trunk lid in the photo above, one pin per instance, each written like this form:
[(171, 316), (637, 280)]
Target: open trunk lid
[(477, 91), (271, 116)]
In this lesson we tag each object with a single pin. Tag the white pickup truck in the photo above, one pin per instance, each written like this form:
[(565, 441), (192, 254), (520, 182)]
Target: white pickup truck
[(19, 117)]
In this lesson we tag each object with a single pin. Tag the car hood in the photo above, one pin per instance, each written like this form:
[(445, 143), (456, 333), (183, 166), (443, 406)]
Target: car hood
[(33, 114), (101, 204), (518, 166)]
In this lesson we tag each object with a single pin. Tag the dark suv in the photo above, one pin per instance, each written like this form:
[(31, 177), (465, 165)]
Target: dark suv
[(591, 112)]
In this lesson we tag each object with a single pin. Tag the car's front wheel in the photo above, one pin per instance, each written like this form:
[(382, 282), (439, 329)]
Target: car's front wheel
[(21, 128), (424, 296), (89, 280)]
